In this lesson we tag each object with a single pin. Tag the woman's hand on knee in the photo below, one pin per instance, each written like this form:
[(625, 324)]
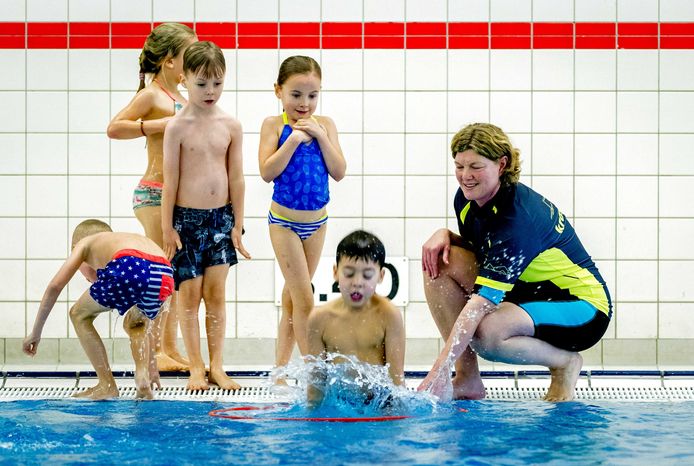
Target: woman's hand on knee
[(438, 245)]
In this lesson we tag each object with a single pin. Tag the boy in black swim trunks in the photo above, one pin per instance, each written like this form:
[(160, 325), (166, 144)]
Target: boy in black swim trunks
[(129, 274), (203, 175)]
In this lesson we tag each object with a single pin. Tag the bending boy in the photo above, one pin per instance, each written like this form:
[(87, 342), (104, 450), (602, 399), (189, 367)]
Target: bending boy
[(128, 273), (360, 323)]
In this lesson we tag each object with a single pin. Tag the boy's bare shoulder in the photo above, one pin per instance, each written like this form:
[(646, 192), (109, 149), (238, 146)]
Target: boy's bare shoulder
[(385, 307), (232, 123), (325, 311)]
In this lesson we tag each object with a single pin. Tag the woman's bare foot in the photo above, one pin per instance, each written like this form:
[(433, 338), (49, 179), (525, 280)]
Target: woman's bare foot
[(197, 380), (468, 389), (219, 377), (564, 380), (169, 364), (99, 392)]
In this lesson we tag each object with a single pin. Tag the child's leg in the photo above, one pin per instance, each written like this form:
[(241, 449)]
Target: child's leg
[(82, 315), (213, 292), (298, 261), (135, 325), (189, 296), (285, 332)]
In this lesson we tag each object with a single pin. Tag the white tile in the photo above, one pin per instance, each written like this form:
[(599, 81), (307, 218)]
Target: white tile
[(465, 108), (13, 111), (14, 10), (14, 60), (631, 282), (14, 321), (676, 69), (595, 154), (89, 196), (637, 196), (636, 154), (595, 10), (468, 10), (675, 112), (13, 161), (416, 292), (553, 10), (384, 195), (89, 111), (637, 112), (251, 141), (12, 187), (553, 70), (128, 156), (57, 323), (13, 241), (468, 70), (46, 10), (510, 70), (417, 232), (553, 154), (300, 11), (89, 70), (384, 112), (46, 154), (131, 10), (38, 230), (47, 112), (341, 69), (39, 275), (511, 10), (426, 154), (257, 320), (252, 280), (254, 107), (673, 234), (431, 11), (122, 194), (418, 115), (637, 10), (595, 196), (638, 69), (89, 10), (676, 196), (510, 111), (40, 60), (227, 103), (88, 154), (338, 228), (352, 149), (257, 70), (595, 112), (425, 196), (425, 69), (14, 275), (596, 70), (553, 112), (339, 10), (173, 10), (558, 189), (124, 72), (597, 236), (676, 154), (346, 197), (257, 238), (419, 323), (637, 320), (676, 10), (390, 231), (384, 10), (345, 108), (231, 285), (215, 11), (384, 69), (384, 154), (675, 321), (258, 11), (258, 196), (127, 224), (675, 280), (46, 196), (637, 238)]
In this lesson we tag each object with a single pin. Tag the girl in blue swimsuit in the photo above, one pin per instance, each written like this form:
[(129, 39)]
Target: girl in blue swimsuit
[(298, 151)]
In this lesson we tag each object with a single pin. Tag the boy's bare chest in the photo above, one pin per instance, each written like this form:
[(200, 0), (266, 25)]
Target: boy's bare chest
[(355, 334), (205, 144)]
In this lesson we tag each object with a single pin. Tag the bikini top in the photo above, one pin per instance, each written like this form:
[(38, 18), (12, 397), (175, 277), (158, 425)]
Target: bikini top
[(303, 185), (177, 105)]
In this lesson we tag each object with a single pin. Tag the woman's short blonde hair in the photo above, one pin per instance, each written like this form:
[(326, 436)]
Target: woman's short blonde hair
[(490, 142)]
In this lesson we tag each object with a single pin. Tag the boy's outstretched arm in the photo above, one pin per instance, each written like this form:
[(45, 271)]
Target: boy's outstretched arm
[(53, 290), (172, 169), (395, 345), (237, 185)]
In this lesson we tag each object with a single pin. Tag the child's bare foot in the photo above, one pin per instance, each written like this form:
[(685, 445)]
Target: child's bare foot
[(219, 377), (470, 389), (167, 363), (178, 357), (99, 392), (144, 387), (564, 380), (197, 380)]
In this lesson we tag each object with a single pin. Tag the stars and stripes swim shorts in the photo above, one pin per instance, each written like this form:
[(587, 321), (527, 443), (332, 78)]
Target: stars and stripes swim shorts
[(134, 278)]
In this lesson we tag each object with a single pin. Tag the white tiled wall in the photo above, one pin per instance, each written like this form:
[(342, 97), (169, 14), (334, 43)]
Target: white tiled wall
[(606, 134)]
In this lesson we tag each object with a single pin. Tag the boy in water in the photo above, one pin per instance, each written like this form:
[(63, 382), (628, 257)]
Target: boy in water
[(203, 175), (128, 272), (360, 323)]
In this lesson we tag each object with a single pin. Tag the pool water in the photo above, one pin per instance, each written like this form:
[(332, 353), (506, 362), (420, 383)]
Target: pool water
[(471, 432)]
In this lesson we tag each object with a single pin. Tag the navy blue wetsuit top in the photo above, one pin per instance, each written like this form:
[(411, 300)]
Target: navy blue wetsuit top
[(527, 250)]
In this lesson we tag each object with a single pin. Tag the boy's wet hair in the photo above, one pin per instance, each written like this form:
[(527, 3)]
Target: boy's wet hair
[(297, 64), (204, 59), (88, 228), (165, 41), (362, 245)]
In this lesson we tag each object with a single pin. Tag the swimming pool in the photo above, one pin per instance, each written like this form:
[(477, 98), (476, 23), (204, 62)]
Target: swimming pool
[(487, 432)]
